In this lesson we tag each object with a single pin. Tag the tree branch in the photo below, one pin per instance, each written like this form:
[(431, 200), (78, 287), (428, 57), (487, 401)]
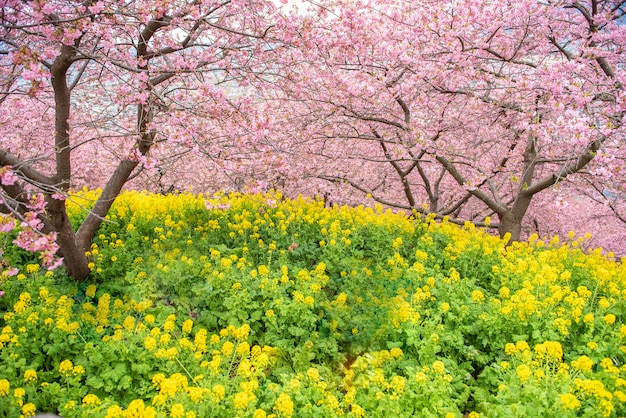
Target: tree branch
[(581, 161), (484, 197)]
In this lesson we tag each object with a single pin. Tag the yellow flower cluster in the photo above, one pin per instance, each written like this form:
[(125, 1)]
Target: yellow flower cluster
[(135, 409), (5, 386), (549, 351), (595, 389), (425, 283), (29, 410), (246, 398), (91, 399), (544, 290), (583, 363), (570, 401), (30, 375)]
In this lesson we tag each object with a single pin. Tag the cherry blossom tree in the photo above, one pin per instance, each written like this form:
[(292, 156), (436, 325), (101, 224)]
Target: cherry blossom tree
[(94, 89), (597, 215), (466, 109), (462, 108)]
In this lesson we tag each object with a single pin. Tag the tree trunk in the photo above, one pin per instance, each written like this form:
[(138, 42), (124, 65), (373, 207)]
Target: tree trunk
[(74, 259), (511, 219), (111, 191), (510, 224)]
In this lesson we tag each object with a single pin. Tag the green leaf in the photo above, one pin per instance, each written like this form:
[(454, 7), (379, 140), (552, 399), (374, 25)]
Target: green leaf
[(141, 368), (95, 382), (296, 331), (125, 382), (256, 315), (394, 344)]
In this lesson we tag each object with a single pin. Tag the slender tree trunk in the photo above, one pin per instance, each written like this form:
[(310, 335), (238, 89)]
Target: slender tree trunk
[(113, 188)]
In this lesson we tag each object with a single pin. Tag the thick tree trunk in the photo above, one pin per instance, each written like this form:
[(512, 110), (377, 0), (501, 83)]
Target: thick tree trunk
[(62, 107), (510, 224), (511, 219), (74, 259)]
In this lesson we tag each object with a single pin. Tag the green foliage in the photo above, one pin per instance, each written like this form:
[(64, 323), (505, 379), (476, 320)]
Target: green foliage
[(263, 306)]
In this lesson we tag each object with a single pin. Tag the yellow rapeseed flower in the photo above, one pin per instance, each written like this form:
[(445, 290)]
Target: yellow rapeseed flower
[(420, 377), (609, 319), (32, 268), (241, 400), (439, 367), (91, 291), (219, 391), (70, 406), (313, 374), (523, 372), (5, 386), (621, 396), (29, 410), (177, 411), (243, 348), (522, 346), (510, 349), (227, 348), (168, 326), (284, 405), (478, 296), (187, 326), (263, 270), (129, 323), (66, 367), (396, 352), (30, 375), (569, 401), (19, 307), (196, 394), (397, 384), (259, 413), (150, 343), (137, 408), (91, 399), (242, 332), (583, 363), (357, 410)]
